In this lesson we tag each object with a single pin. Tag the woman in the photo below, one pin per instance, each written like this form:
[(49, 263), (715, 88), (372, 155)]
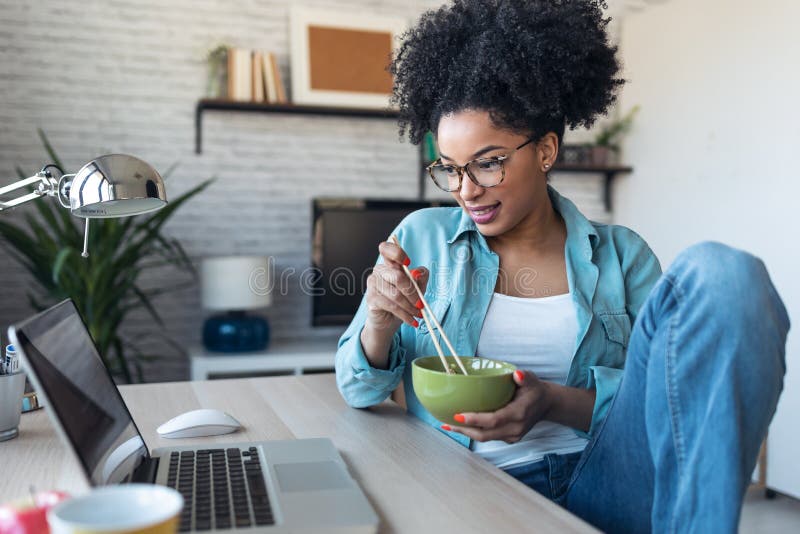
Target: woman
[(518, 273)]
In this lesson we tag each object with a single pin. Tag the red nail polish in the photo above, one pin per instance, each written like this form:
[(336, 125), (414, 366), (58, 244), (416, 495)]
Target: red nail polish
[(446, 427), (519, 375), (459, 418), (418, 314), (419, 305), (415, 274), (407, 262), (415, 324)]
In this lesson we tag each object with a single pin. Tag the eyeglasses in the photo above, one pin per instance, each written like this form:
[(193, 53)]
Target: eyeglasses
[(483, 172)]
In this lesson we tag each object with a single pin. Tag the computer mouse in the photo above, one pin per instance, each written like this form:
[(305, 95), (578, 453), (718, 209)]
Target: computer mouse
[(199, 423)]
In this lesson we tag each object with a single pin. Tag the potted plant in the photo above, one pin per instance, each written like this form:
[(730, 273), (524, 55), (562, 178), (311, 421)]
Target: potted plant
[(607, 140), (108, 285), (217, 83)]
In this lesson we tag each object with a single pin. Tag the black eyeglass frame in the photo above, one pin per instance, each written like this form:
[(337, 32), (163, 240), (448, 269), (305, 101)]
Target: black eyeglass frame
[(462, 169)]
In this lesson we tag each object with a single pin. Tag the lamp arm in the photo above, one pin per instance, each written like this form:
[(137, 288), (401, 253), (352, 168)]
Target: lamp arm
[(22, 198), (48, 186)]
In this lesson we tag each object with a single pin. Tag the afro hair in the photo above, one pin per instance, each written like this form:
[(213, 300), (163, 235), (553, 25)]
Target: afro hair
[(536, 66)]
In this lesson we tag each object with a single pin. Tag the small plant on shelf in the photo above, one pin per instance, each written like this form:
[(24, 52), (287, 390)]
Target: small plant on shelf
[(217, 83), (609, 137)]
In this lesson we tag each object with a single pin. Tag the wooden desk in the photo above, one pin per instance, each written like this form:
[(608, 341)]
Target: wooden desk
[(417, 479)]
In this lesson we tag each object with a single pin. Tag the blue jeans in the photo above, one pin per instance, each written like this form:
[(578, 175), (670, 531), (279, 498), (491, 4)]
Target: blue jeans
[(703, 375), (548, 476)]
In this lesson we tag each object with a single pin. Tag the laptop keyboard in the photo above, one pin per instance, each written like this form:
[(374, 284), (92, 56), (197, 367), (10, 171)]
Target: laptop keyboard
[(221, 488)]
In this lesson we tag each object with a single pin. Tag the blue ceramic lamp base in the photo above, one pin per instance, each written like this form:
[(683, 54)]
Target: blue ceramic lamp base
[(235, 332)]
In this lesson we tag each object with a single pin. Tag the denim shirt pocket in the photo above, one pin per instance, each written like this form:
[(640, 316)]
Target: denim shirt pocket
[(424, 343), (617, 327)]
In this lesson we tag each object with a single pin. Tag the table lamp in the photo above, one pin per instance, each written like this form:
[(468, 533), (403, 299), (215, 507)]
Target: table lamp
[(233, 285), (114, 185)]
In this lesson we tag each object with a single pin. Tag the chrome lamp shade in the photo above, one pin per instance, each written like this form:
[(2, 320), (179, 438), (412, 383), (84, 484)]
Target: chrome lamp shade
[(116, 185)]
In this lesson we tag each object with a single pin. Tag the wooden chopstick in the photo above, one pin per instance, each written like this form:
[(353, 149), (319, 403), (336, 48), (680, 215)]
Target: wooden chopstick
[(430, 313), (447, 369), (425, 315)]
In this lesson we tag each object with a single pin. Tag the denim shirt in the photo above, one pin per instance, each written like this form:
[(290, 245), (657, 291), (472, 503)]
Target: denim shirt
[(610, 271)]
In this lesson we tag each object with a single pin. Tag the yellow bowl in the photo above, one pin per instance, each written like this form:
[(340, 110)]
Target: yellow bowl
[(141, 508), (487, 387)]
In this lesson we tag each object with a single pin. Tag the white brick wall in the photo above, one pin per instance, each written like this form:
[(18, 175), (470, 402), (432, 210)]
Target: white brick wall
[(124, 76)]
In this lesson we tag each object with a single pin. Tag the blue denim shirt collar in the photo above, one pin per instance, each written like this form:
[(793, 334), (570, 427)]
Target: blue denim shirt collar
[(578, 226)]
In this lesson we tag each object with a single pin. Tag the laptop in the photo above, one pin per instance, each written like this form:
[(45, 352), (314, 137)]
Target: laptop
[(267, 486)]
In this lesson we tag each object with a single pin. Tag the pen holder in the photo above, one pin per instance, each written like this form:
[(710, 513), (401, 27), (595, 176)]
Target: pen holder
[(11, 389)]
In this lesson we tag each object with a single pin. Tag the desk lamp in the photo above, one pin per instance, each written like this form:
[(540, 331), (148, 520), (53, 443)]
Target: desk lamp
[(233, 285), (114, 185)]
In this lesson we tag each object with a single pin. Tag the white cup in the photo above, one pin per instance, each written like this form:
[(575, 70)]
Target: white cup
[(11, 389), (125, 508)]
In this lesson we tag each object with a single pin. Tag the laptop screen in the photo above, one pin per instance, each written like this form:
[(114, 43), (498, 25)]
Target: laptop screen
[(63, 362)]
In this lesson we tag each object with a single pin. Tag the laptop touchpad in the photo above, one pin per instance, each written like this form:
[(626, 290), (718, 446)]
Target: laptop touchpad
[(312, 476)]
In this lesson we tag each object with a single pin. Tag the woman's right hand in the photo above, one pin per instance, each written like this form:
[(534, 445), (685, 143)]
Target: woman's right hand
[(391, 298)]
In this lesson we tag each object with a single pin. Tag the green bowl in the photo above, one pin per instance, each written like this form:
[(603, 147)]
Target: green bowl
[(487, 387)]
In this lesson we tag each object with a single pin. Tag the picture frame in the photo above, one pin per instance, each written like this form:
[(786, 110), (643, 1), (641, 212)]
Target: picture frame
[(340, 59)]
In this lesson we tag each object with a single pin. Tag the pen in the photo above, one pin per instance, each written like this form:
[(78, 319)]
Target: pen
[(14, 359), (11, 361)]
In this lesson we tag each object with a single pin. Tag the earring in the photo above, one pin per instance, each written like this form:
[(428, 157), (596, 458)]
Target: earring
[(546, 166)]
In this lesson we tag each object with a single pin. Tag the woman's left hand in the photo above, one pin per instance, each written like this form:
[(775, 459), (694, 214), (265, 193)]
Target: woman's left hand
[(510, 423)]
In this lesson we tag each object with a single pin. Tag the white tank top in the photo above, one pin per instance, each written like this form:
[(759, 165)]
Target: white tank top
[(538, 335)]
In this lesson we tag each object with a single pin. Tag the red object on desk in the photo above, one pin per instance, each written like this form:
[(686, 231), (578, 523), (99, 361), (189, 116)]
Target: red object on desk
[(29, 516)]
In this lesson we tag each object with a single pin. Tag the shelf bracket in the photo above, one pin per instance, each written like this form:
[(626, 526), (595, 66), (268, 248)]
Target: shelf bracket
[(607, 190), (198, 129)]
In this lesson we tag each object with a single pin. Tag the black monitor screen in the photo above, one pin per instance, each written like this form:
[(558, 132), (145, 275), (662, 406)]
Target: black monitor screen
[(346, 234)]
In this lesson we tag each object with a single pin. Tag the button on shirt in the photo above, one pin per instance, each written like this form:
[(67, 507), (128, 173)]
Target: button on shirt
[(610, 271)]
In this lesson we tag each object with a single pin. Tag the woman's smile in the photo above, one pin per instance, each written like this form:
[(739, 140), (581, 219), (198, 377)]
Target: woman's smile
[(484, 214)]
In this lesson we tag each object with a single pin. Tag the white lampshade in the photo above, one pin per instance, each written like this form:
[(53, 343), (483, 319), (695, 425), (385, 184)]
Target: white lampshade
[(236, 283)]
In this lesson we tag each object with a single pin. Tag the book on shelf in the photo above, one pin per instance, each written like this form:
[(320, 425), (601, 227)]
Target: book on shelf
[(273, 83), (270, 87), (240, 74), (430, 152), (258, 77), (281, 89), (253, 76)]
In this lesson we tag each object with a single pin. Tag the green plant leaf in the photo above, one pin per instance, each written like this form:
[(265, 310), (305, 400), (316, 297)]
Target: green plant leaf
[(611, 135), (166, 174), (49, 148), (122, 362), (61, 258), (145, 300)]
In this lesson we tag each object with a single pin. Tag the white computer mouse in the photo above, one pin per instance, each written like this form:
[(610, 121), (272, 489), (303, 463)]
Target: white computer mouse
[(199, 423)]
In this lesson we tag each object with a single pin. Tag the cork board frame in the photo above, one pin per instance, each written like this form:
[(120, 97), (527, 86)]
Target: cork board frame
[(340, 59)]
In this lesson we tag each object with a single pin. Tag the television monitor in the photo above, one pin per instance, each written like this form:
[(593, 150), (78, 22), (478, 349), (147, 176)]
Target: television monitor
[(345, 237)]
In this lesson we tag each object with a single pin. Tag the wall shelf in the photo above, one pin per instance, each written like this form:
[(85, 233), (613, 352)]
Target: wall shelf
[(609, 171), (213, 104)]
